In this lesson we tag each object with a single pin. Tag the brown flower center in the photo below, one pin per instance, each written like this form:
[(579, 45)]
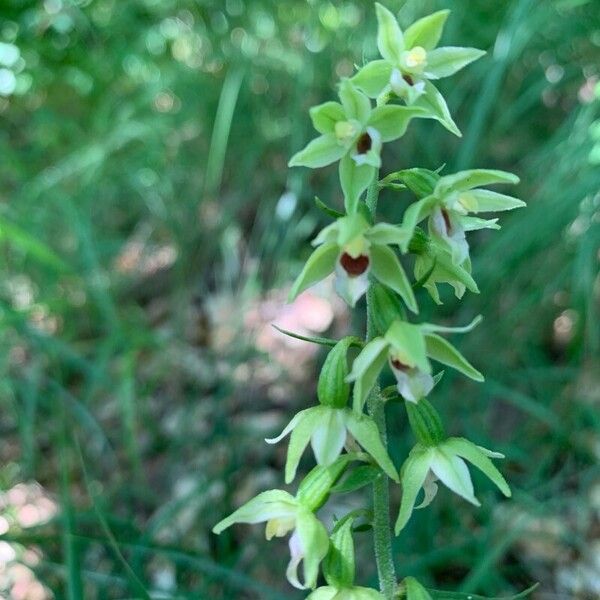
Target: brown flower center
[(447, 222), (408, 79), (399, 365), (364, 143), (354, 266)]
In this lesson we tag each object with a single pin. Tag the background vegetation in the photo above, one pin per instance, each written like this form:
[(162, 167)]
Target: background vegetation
[(150, 229)]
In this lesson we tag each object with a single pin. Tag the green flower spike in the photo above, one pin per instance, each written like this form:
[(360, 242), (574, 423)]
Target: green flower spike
[(327, 426), (353, 133), (411, 61), (354, 250), (444, 461), (448, 207), (407, 348)]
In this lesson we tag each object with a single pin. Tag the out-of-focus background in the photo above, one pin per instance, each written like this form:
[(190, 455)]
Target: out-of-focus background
[(150, 230)]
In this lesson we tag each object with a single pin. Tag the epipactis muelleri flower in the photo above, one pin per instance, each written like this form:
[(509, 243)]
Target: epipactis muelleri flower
[(353, 133), (355, 250), (453, 199), (411, 60), (407, 348)]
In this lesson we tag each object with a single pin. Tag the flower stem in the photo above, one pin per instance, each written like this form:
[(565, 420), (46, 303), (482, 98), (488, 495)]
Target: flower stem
[(381, 493)]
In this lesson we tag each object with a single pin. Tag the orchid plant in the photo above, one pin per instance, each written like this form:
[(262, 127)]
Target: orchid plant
[(348, 439)]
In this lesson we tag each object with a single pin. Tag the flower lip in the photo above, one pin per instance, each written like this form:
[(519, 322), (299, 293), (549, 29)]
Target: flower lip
[(408, 79), (364, 143), (447, 221), (354, 266), (397, 364)]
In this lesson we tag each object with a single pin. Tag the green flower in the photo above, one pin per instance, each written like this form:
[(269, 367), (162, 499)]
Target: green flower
[(326, 428), (407, 348), (283, 514), (410, 61), (353, 133), (354, 250), (330, 592), (444, 462), (453, 199)]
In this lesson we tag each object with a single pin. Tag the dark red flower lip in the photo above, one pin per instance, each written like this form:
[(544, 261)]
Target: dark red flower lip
[(364, 143), (400, 366), (354, 266)]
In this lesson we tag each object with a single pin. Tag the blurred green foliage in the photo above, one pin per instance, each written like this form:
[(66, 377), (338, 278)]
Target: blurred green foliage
[(143, 175)]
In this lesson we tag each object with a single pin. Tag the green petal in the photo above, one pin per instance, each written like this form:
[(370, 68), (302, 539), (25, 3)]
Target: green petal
[(367, 434), (432, 328), (444, 352), (475, 224), (444, 62), (373, 77), (365, 369), (452, 471), (319, 264), (326, 115), (289, 427), (300, 438), (327, 235), (355, 179), (426, 32), (315, 541), (488, 201), (476, 457), (390, 40), (322, 151), (327, 592), (267, 505), (328, 436), (414, 214), (392, 120), (413, 476), (387, 269), (387, 234), (356, 104), (408, 341), (473, 178), (432, 101)]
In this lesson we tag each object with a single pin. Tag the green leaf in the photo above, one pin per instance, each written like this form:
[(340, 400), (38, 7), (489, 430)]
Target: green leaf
[(444, 62), (414, 590), (373, 77), (326, 115), (441, 350), (386, 267), (441, 595), (355, 179), (336, 214), (319, 264), (333, 389), (413, 476), (357, 479), (320, 152), (356, 104), (365, 369), (390, 40), (489, 201), (338, 567), (472, 178), (392, 120), (433, 101), (420, 181), (476, 457), (366, 433), (322, 341), (426, 32)]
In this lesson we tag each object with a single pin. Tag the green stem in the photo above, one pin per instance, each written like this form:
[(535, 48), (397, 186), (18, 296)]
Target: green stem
[(382, 529)]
